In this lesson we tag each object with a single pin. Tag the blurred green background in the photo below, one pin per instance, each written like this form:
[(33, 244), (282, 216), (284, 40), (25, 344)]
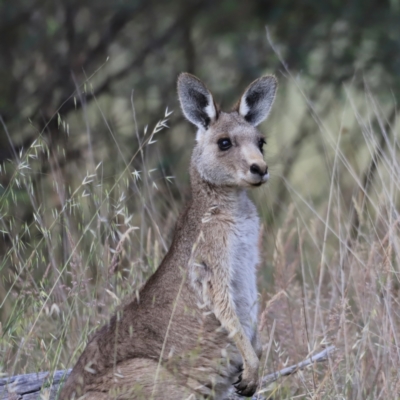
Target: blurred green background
[(81, 80), (69, 59)]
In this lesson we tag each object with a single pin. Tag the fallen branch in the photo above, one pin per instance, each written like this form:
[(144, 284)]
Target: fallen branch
[(319, 357), (268, 379), (41, 385), (29, 386)]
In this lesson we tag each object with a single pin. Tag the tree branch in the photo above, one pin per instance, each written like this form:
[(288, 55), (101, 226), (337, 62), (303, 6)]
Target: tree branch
[(68, 104)]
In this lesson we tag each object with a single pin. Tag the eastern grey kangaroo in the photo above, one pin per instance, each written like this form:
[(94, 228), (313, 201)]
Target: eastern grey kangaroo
[(192, 333)]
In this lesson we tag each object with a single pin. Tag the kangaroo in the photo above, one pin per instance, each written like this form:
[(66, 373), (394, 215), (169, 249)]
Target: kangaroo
[(192, 333)]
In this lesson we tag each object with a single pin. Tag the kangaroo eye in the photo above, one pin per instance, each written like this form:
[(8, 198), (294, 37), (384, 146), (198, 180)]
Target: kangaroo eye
[(224, 144), (261, 143)]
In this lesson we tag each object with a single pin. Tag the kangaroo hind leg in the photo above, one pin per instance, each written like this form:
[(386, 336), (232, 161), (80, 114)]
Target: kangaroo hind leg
[(136, 379)]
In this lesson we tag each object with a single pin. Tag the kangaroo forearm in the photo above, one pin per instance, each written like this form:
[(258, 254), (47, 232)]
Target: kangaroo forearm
[(225, 312), (246, 349)]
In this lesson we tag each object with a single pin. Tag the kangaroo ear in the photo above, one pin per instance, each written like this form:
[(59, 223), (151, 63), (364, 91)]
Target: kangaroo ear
[(256, 102), (196, 101)]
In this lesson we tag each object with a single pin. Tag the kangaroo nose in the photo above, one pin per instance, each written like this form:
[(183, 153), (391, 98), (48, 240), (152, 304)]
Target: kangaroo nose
[(256, 169)]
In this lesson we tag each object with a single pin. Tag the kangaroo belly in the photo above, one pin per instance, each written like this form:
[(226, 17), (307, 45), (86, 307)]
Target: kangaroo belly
[(243, 276)]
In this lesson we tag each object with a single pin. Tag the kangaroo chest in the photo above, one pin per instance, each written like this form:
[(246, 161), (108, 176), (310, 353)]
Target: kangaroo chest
[(244, 258), (234, 229)]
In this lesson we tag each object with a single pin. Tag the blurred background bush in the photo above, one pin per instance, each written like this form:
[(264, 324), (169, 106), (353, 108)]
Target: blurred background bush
[(91, 179)]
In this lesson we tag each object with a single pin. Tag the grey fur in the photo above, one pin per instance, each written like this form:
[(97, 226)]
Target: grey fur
[(257, 99), (196, 101)]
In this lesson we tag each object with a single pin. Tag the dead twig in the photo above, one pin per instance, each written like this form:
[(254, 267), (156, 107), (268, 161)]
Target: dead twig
[(268, 379), (319, 357)]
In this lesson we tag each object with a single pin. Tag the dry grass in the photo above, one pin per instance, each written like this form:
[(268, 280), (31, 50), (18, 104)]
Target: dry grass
[(98, 226)]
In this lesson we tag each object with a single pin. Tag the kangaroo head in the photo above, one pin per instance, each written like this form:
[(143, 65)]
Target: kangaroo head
[(229, 149)]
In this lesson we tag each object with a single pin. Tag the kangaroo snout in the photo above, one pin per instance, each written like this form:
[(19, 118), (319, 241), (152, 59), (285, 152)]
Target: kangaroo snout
[(259, 169)]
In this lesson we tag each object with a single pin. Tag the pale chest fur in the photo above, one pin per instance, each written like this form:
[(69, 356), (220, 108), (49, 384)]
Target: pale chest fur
[(230, 234), (244, 257)]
